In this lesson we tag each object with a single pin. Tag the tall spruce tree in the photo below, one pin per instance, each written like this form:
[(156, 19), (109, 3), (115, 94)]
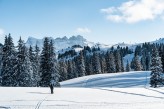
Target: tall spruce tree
[(48, 65), (110, 61), (8, 60), (44, 64), (118, 61), (63, 70), (80, 65), (23, 68), (156, 68), (96, 63), (70, 70), (54, 68), (36, 66), (103, 64), (128, 67), (137, 63)]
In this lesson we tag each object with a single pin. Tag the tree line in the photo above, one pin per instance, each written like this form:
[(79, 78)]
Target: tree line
[(27, 67), (32, 67)]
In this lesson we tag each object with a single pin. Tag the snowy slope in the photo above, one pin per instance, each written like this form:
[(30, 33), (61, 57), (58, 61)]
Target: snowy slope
[(95, 97), (117, 80)]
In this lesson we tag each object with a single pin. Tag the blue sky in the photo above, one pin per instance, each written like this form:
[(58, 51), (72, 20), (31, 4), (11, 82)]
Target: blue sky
[(104, 21)]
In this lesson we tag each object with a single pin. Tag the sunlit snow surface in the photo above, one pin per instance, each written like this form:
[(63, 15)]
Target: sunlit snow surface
[(104, 91)]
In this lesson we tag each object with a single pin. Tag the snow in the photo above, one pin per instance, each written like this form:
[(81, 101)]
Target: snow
[(129, 58), (137, 96), (116, 80), (60, 43)]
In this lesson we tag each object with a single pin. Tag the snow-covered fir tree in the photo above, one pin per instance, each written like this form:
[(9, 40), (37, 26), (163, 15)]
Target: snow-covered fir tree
[(128, 67), (44, 64), (122, 65), (48, 65), (36, 74), (79, 60), (70, 70), (96, 63), (8, 60), (63, 70), (103, 64), (54, 68), (118, 61), (23, 68), (33, 65), (111, 67), (137, 64), (88, 65), (156, 68)]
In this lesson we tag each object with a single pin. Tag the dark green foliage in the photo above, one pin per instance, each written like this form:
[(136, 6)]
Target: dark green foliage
[(156, 68)]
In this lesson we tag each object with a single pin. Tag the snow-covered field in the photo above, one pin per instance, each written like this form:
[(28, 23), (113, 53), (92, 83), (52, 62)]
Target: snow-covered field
[(99, 94)]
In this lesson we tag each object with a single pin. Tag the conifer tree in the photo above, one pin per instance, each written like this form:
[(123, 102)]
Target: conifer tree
[(96, 63), (103, 64), (70, 70), (23, 68), (156, 68), (128, 67), (118, 61), (54, 68), (37, 66), (80, 64), (63, 70), (8, 60), (111, 67), (44, 64), (137, 63)]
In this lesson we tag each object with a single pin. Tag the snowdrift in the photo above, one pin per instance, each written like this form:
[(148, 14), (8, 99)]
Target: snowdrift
[(116, 80)]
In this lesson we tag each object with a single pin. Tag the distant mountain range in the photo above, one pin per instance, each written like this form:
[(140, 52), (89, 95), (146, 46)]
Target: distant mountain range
[(60, 43), (64, 42)]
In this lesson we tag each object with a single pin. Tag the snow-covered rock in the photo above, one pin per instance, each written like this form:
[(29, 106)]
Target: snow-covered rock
[(60, 43)]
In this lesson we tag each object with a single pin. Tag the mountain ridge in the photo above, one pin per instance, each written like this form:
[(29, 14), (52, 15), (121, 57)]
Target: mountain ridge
[(65, 42)]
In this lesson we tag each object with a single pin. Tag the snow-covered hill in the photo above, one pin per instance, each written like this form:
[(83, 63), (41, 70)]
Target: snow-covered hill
[(99, 95), (117, 80)]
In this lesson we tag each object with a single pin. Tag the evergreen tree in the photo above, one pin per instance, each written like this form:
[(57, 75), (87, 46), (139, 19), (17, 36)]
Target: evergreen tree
[(122, 65), (88, 65), (23, 68), (63, 70), (54, 71), (128, 67), (80, 65), (8, 59), (110, 61), (118, 61), (96, 63), (156, 68), (103, 64), (33, 65), (36, 67), (137, 63), (45, 65), (148, 61), (70, 70)]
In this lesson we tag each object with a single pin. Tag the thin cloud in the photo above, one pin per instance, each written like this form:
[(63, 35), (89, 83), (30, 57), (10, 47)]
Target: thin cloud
[(83, 30), (135, 11)]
